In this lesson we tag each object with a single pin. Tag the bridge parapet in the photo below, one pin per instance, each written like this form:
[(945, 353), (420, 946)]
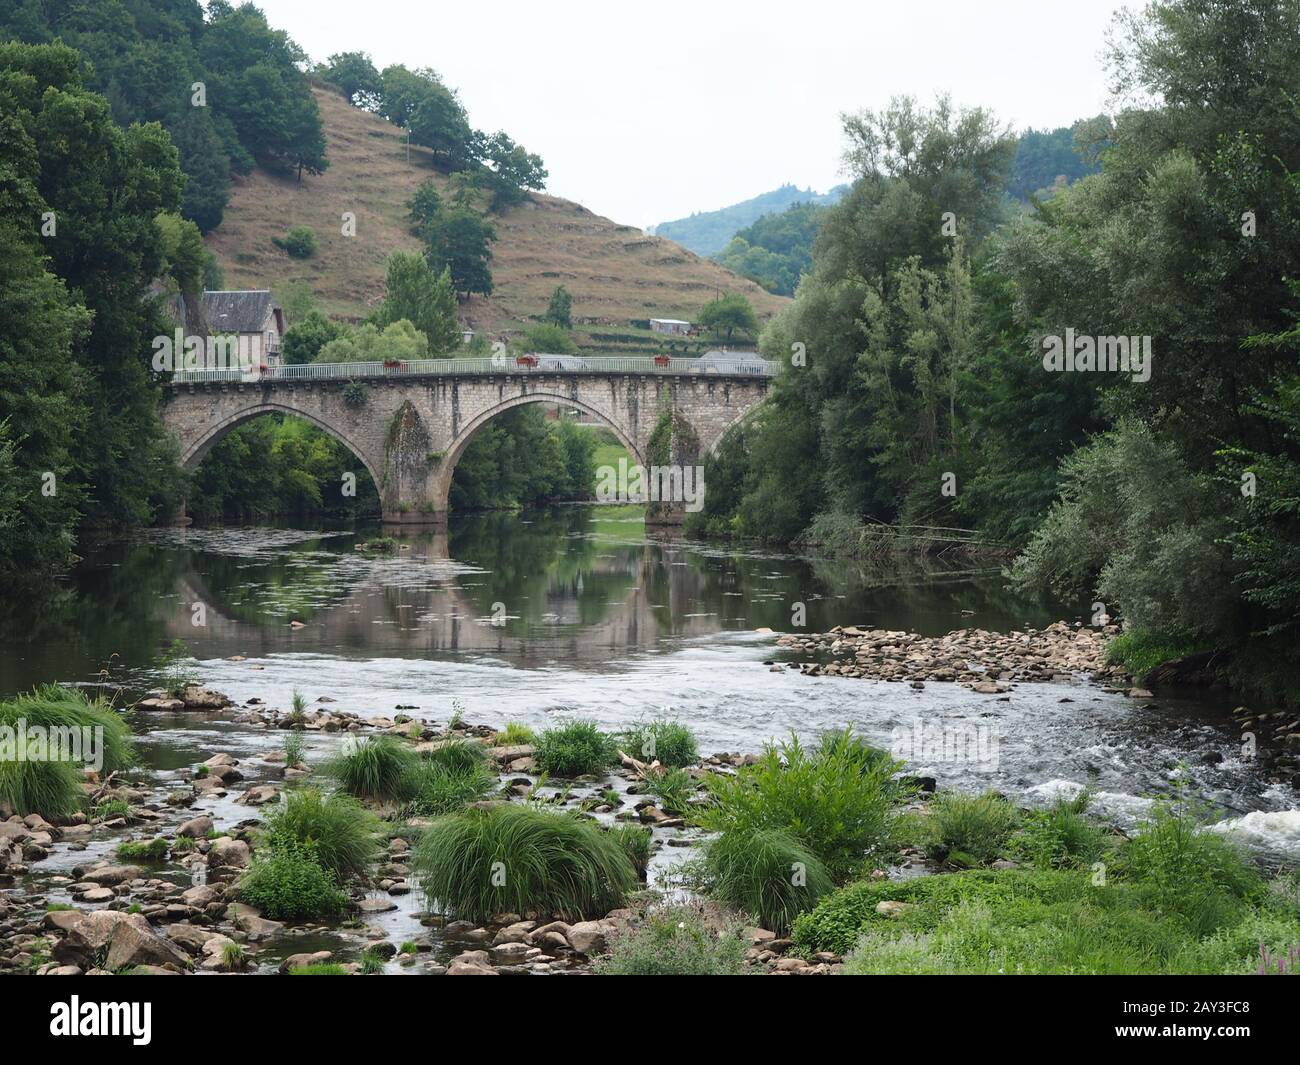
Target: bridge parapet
[(409, 425)]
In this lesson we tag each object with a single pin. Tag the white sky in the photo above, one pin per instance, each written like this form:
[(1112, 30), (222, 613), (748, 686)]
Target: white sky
[(647, 112)]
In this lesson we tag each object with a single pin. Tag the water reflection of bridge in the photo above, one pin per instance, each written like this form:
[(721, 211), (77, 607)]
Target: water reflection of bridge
[(393, 608)]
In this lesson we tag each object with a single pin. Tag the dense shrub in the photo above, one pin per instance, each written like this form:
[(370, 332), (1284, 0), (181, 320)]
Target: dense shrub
[(837, 802), (518, 859), (767, 874), (675, 942), (374, 768), (299, 242), (840, 919), (574, 749), (1061, 836), (1202, 877), (342, 834), (971, 829), (287, 882)]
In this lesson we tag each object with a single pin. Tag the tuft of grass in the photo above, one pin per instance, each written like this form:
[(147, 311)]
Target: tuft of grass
[(299, 702), (343, 835), (669, 742), (372, 963), (232, 957), (766, 873), (971, 829), (458, 755), (1140, 652), (375, 768), (574, 749), (154, 850), (515, 735), (287, 882), (435, 789), (636, 842), (673, 790), (675, 942), (520, 859), (295, 748), (52, 787), (322, 968)]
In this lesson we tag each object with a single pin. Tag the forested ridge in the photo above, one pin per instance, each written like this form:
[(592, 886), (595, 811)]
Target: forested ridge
[(915, 390)]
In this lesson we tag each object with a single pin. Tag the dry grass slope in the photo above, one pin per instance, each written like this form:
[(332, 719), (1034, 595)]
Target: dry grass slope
[(615, 273)]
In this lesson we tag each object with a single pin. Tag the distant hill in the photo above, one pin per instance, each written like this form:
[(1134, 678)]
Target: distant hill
[(615, 273), (709, 232)]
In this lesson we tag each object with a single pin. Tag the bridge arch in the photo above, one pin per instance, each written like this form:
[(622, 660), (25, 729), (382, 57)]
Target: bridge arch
[(197, 449), (453, 455)]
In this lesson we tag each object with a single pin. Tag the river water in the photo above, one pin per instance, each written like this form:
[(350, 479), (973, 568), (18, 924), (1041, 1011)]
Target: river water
[(577, 613)]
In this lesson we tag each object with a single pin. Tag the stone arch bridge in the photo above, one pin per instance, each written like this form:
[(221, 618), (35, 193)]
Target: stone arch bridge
[(409, 424)]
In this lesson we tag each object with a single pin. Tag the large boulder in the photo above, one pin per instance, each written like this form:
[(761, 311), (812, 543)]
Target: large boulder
[(227, 853), (88, 933), (588, 937), (198, 698), (108, 875), (132, 945), (196, 828)]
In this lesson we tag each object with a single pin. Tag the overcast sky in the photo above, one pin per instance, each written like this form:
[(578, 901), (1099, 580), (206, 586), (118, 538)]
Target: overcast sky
[(645, 112)]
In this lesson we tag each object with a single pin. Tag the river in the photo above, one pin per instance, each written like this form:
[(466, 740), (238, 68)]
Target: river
[(577, 612)]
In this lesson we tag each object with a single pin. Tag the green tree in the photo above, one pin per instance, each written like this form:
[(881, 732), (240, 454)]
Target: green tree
[(560, 310), (355, 76), (105, 186), (459, 241), (415, 292), (304, 339), (728, 315)]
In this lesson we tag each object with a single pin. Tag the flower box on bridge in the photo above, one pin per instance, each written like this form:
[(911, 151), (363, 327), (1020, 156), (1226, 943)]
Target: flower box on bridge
[(392, 364), (662, 360), (526, 360)]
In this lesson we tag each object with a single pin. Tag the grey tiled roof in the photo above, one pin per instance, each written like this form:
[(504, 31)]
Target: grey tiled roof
[(236, 312)]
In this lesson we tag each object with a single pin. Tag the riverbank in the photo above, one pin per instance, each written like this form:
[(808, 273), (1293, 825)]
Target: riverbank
[(154, 875)]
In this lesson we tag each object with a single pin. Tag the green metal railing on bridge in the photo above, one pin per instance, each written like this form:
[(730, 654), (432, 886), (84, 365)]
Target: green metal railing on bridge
[(741, 366)]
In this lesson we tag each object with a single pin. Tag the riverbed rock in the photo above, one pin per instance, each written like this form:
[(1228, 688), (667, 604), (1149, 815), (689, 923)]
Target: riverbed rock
[(198, 698), (196, 828), (227, 853), (588, 937), (298, 961), (259, 795), (164, 704), (106, 875), (251, 922), (132, 945)]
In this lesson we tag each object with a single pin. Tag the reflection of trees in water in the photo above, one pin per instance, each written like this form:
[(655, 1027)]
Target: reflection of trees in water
[(550, 566), (299, 584), (79, 625)]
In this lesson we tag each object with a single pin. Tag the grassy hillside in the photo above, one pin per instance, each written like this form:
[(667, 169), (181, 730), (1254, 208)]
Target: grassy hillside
[(708, 232), (615, 273)]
